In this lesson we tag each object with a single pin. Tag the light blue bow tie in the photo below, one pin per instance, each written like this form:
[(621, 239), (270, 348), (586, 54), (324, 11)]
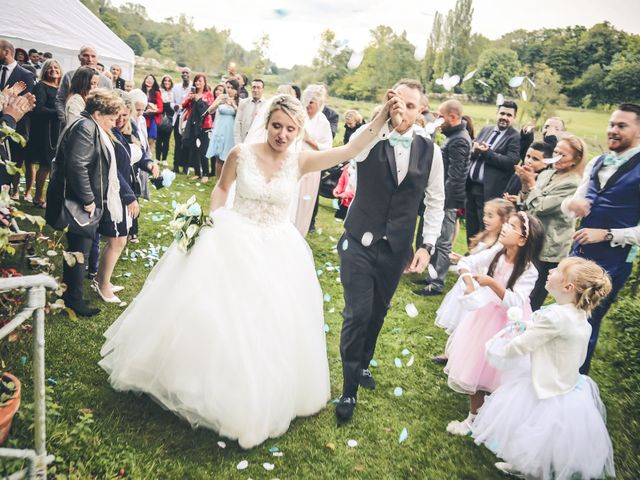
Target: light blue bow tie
[(395, 138), (613, 159)]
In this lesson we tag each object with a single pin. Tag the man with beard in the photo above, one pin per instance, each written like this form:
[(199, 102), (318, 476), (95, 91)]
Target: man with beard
[(494, 155), (608, 201)]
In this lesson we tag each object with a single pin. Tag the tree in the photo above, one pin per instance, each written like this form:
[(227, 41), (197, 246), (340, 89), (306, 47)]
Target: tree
[(261, 48), (330, 63), (495, 67), (458, 37), (137, 42), (621, 83), (546, 96), (434, 46)]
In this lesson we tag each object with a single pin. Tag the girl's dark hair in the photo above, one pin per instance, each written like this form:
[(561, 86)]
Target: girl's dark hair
[(81, 81), (236, 86), (154, 88), (203, 76), (526, 254), (214, 90), (170, 80)]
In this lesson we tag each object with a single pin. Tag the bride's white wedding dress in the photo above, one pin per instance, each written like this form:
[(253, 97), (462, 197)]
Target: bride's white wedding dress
[(230, 335)]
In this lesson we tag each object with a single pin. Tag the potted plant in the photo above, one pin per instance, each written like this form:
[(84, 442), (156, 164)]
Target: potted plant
[(9, 402)]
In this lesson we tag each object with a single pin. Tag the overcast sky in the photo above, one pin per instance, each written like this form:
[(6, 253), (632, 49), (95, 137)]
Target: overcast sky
[(294, 26)]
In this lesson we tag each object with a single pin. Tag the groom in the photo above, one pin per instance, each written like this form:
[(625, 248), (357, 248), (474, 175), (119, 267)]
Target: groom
[(394, 172)]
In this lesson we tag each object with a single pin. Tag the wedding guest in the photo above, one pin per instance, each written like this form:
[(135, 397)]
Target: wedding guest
[(45, 127), (116, 226), (317, 136), (552, 131), (222, 137), (608, 201), (456, 151), (117, 80), (543, 196), (21, 56), (154, 110), (352, 122), (84, 171), (534, 163), (129, 85), (180, 92), (166, 124), (85, 79), (548, 421), (88, 57), (510, 277), (195, 137)]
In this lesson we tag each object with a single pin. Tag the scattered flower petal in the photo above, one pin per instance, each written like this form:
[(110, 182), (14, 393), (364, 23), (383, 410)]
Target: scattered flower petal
[(222, 444), (398, 362), (551, 160), (355, 60), (410, 361), (242, 465), (268, 466), (411, 310), (397, 391), (352, 443), (373, 363), (469, 75), (335, 204), (326, 328), (499, 99), (515, 82), (278, 454), (403, 435), (327, 297), (331, 446), (405, 352), (482, 82), (524, 96)]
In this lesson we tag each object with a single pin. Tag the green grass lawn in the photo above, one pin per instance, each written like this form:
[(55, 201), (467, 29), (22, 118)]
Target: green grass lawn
[(122, 433)]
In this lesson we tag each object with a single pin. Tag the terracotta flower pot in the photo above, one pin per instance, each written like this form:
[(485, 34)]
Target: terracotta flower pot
[(8, 410)]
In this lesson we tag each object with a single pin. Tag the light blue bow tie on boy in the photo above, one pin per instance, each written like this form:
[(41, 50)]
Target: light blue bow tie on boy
[(395, 138)]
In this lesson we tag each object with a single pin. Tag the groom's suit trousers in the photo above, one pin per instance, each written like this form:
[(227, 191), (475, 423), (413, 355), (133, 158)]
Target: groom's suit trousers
[(369, 276)]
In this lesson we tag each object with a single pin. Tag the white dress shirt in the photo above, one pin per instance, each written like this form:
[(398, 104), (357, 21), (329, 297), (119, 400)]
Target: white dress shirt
[(247, 111), (621, 236), (434, 192), (179, 94)]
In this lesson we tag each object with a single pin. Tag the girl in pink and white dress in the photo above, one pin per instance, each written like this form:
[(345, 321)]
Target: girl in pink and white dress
[(550, 422), (496, 279)]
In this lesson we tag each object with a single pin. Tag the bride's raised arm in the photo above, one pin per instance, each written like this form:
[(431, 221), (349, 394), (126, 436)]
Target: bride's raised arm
[(312, 161), (227, 177)]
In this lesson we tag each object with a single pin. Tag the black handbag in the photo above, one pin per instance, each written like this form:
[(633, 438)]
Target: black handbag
[(78, 221), (75, 218), (166, 124)]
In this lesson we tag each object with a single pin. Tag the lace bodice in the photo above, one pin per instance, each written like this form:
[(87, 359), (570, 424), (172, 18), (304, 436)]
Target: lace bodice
[(262, 201)]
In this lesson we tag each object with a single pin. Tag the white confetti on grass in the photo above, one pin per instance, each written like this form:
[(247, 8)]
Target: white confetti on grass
[(242, 465), (352, 443)]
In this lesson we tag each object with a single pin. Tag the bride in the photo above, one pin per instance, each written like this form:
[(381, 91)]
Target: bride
[(230, 335)]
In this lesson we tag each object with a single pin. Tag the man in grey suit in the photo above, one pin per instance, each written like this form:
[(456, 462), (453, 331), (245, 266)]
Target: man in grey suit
[(495, 152), (88, 58)]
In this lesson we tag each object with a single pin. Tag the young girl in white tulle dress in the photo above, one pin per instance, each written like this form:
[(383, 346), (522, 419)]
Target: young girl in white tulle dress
[(550, 422), (497, 279), (495, 214)]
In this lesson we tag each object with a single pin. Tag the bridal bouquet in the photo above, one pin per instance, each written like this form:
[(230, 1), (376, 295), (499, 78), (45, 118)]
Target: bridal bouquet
[(187, 222)]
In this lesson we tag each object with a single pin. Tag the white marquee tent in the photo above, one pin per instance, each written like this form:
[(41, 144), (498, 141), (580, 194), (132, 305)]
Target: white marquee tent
[(62, 27)]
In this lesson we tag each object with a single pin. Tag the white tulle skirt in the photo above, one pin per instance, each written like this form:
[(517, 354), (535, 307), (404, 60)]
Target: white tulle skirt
[(557, 438), (230, 335)]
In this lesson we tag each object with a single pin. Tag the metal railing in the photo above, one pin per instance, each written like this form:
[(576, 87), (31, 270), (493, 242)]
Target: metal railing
[(36, 301)]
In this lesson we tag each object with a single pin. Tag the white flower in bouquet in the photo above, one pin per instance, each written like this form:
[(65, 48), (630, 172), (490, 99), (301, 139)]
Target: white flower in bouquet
[(192, 230)]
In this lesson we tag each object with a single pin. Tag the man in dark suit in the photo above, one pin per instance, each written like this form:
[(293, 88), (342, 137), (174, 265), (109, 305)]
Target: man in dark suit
[(494, 155), (398, 168), (10, 74)]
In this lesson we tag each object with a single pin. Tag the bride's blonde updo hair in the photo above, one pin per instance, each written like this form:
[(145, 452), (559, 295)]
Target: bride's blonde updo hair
[(591, 282), (292, 107)]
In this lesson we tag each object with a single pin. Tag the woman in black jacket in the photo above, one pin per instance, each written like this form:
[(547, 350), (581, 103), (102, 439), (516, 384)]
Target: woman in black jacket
[(128, 155), (83, 172)]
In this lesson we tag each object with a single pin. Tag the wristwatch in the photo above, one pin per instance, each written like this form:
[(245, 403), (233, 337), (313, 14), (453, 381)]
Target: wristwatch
[(428, 247), (609, 236)]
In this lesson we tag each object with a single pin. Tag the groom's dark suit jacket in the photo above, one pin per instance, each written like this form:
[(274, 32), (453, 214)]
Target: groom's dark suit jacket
[(499, 161)]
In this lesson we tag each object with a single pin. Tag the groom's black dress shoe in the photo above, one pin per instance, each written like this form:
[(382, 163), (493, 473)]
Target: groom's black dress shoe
[(82, 309), (344, 409), (366, 380)]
